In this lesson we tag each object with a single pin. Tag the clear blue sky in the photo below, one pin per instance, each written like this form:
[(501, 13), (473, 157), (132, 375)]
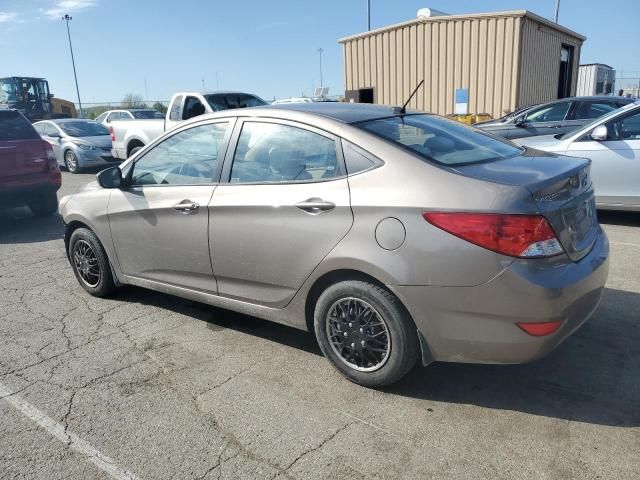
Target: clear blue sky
[(268, 47)]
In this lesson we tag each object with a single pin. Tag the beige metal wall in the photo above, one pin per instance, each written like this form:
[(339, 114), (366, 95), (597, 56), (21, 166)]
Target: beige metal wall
[(540, 62), (482, 53)]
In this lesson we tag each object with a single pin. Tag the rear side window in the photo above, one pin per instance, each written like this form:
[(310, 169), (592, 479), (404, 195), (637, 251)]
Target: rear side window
[(274, 153), (357, 159), (174, 114), (590, 110), (440, 140), (13, 126)]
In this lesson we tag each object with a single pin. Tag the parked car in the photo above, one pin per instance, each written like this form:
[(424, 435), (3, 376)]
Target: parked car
[(392, 236), (129, 114), (29, 173), (613, 145), (130, 136), (77, 143), (556, 117)]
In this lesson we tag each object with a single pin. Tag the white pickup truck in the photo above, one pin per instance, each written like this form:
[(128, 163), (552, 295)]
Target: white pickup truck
[(129, 136)]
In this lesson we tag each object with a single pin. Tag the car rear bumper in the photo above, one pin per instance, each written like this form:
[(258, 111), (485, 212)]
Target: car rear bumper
[(478, 324), (14, 195)]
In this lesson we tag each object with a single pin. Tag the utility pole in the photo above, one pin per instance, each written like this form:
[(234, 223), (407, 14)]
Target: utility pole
[(320, 52), (203, 84), (73, 62), (146, 92), (369, 15), (557, 9)]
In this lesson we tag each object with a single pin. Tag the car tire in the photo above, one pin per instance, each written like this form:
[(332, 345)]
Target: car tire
[(71, 162), (90, 263), (134, 150), (372, 317), (45, 204)]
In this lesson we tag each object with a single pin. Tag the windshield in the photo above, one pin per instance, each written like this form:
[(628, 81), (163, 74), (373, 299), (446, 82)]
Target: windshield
[(7, 90), (441, 140), (83, 129), (147, 114), (227, 101)]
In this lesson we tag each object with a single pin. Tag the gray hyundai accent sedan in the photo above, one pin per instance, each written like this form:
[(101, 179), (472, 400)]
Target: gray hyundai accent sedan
[(391, 236)]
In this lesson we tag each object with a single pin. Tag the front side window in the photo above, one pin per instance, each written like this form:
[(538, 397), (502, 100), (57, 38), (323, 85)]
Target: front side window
[(625, 128), (440, 140), (189, 157), (271, 152), (550, 113), (192, 108)]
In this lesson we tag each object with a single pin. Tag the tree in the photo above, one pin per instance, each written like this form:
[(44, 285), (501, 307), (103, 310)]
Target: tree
[(133, 100), (161, 107)]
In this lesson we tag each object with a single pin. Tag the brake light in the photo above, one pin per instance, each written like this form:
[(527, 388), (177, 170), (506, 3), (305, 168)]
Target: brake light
[(113, 134), (540, 329), (527, 236), (52, 163)]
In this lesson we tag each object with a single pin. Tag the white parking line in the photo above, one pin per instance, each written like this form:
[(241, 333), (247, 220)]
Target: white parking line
[(100, 460), (626, 244)]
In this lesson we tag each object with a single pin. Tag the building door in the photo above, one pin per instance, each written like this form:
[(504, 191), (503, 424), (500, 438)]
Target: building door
[(566, 67)]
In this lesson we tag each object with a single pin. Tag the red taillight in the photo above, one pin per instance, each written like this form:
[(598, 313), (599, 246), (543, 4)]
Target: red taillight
[(112, 133), (514, 235), (52, 163), (540, 329)]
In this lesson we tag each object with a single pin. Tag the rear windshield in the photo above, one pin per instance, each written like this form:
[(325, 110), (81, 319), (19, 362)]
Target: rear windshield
[(440, 140), (147, 114), (227, 101), (13, 126), (83, 129)]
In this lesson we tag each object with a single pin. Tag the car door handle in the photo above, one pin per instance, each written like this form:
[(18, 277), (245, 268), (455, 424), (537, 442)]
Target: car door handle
[(186, 207), (315, 206)]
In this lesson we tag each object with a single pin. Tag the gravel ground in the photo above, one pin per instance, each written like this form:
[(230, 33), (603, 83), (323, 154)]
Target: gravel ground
[(148, 386)]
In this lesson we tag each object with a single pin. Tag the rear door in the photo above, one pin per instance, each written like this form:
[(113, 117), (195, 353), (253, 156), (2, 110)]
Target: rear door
[(22, 151), (284, 205), (615, 161)]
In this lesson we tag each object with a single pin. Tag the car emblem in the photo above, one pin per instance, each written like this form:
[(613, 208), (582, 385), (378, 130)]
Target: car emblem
[(574, 181)]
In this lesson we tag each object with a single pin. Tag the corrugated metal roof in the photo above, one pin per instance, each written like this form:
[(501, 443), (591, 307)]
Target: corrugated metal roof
[(469, 16)]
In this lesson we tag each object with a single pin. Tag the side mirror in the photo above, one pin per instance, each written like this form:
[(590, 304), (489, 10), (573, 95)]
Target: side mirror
[(600, 133), (110, 178), (519, 122)]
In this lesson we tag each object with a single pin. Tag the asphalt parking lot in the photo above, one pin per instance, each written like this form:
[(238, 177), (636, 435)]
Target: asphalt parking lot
[(144, 385)]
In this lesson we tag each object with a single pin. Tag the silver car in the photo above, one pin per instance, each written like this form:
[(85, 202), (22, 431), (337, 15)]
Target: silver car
[(613, 145), (77, 143), (392, 236)]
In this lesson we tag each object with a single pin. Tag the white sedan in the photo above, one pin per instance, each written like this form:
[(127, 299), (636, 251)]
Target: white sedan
[(612, 143)]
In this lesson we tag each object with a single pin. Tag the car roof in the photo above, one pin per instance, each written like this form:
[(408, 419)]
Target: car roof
[(59, 121), (342, 112)]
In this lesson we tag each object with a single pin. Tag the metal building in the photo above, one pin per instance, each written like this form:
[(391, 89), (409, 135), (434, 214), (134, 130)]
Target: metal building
[(504, 60), (596, 79)]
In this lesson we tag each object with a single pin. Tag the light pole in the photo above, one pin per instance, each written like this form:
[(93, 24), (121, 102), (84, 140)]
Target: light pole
[(368, 15), (75, 75), (320, 52), (557, 9)]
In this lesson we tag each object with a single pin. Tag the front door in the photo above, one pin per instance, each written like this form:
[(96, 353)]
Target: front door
[(159, 224), (284, 206), (615, 168)]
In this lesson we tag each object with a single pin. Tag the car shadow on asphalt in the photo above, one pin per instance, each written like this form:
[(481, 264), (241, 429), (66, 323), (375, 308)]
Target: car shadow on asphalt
[(592, 377), (19, 225), (220, 319)]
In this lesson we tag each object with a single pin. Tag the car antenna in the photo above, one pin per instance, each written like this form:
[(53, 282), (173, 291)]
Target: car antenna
[(403, 110)]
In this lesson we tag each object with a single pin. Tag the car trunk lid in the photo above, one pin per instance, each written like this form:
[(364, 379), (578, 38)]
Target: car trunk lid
[(562, 191)]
